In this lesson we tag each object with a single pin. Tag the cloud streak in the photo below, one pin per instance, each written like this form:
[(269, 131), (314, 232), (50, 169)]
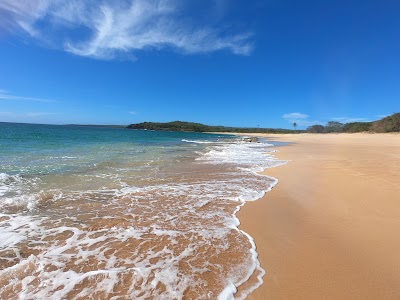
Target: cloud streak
[(4, 95), (26, 114), (349, 119), (382, 116), (111, 29), (301, 119), (295, 116)]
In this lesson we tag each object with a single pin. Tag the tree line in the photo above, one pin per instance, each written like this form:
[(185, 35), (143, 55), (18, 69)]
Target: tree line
[(387, 124), (197, 127)]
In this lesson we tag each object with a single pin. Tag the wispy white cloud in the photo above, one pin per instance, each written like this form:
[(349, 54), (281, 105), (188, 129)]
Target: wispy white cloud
[(349, 119), (295, 116), (26, 114), (133, 113), (4, 95), (301, 119), (38, 114), (382, 116), (119, 27)]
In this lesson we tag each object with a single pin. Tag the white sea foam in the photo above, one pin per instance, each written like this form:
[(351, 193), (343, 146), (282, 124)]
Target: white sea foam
[(8, 182), (228, 292), (251, 158), (22, 193), (139, 236), (202, 141), (254, 157), (17, 191), (15, 229)]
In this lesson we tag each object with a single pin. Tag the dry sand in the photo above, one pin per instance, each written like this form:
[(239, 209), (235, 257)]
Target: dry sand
[(330, 229)]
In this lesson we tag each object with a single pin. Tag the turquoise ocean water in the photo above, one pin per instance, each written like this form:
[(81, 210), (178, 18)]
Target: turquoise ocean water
[(112, 213)]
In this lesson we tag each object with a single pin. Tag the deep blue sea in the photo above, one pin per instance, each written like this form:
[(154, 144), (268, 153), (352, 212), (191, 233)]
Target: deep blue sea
[(112, 213)]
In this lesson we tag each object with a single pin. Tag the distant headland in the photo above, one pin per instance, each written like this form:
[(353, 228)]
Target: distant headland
[(387, 124), (198, 127)]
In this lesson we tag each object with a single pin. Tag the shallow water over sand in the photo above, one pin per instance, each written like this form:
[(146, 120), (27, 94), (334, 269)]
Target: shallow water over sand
[(127, 214)]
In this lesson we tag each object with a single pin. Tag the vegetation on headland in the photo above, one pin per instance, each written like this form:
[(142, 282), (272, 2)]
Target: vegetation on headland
[(339, 127), (387, 124), (197, 127)]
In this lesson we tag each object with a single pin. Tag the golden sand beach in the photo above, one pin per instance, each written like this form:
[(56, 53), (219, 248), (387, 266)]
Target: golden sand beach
[(330, 229)]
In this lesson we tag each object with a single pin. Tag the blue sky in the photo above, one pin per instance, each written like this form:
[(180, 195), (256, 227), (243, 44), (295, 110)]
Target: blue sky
[(237, 63)]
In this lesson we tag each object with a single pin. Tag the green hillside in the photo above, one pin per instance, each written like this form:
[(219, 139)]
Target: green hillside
[(197, 127), (388, 124)]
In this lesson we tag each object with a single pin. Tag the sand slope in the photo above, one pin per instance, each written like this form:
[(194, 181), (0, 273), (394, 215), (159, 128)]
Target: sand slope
[(331, 228)]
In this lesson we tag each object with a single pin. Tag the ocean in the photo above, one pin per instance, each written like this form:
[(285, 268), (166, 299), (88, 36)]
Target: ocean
[(112, 213)]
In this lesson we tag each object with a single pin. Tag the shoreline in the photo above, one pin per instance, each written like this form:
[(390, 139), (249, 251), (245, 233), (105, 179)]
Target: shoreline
[(185, 243), (328, 230)]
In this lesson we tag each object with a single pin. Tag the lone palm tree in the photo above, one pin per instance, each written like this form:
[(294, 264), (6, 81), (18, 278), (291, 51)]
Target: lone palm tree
[(294, 125)]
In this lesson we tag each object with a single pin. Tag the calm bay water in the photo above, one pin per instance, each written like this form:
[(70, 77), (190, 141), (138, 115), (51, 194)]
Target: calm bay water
[(111, 213)]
